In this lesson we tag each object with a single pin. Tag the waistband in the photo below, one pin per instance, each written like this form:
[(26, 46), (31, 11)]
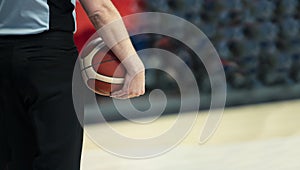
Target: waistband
[(51, 34)]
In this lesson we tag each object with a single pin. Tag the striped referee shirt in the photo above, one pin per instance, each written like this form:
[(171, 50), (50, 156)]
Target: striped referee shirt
[(20, 17)]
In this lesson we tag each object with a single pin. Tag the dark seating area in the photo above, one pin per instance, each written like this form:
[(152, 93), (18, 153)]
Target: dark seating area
[(258, 41)]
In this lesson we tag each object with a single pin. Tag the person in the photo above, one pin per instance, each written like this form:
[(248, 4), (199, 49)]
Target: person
[(39, 127)]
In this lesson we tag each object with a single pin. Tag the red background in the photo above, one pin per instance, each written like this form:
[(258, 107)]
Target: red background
[(84, 27)]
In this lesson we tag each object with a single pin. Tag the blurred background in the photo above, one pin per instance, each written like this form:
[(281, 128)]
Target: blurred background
[(258, 42)]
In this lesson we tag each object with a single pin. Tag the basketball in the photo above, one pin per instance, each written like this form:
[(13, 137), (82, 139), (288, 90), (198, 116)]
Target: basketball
[(101, 70)]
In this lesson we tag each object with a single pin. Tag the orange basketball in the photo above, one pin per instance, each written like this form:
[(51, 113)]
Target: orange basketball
[(101, 69)]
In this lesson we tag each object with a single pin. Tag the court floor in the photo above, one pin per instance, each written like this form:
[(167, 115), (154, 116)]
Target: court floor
[(260, 137)]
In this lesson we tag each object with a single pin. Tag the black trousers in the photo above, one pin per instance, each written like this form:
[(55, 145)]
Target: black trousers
[(39, 129)]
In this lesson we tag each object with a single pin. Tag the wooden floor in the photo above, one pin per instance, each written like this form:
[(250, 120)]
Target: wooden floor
[(257, 137)]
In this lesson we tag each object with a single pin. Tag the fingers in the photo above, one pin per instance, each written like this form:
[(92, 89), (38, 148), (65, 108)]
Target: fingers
[(134, 86), (120, 94), (125, 94), (129, 92)]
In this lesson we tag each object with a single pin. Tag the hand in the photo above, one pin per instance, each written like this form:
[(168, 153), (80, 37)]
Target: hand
[(134, 83), (134, 86)]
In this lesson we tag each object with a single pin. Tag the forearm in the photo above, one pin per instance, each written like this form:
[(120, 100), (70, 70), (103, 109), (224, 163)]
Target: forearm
[(100, 12), (108, 22)]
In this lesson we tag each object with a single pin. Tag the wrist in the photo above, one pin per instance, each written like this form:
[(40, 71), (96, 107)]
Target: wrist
[(133, 64)]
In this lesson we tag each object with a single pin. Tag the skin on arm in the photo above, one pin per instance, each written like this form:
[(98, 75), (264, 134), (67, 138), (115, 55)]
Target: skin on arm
[(107, 20)]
